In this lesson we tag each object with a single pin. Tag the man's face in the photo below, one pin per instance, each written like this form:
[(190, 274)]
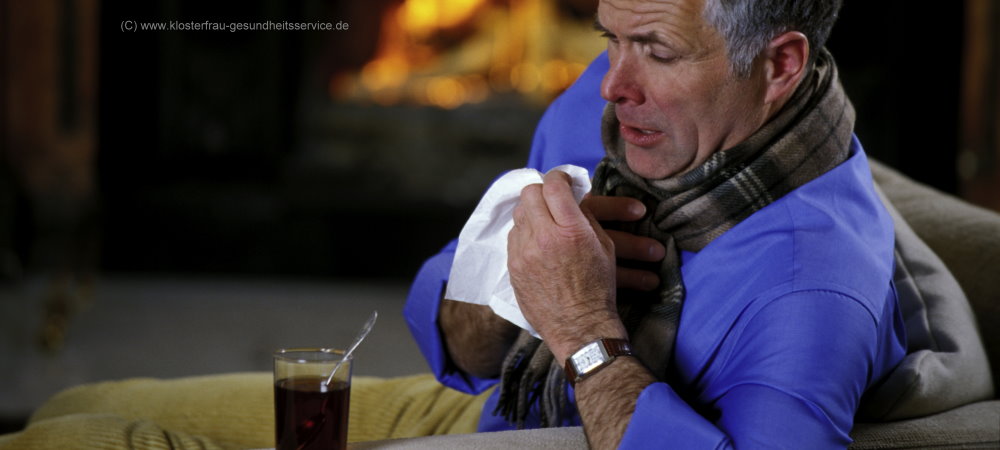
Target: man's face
[(676, 98)]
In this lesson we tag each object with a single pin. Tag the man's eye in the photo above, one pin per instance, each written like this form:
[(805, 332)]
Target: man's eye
[(609, 37), (662, 59)]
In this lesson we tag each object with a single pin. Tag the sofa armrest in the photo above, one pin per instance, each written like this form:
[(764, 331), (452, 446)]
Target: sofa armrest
[(548, 438), (969, 426)]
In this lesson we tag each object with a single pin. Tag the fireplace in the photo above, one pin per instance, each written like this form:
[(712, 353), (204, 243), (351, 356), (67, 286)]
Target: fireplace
[(449, 53), (351, 153)]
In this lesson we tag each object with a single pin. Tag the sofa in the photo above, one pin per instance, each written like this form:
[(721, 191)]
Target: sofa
[(965, 238)]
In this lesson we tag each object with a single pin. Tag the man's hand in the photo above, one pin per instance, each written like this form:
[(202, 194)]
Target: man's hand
[(477, 339), (627, 245), (562, 268)]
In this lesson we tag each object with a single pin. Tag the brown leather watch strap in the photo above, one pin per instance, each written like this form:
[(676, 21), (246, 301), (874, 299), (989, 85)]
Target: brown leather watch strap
[(617, 347), (613, 348)]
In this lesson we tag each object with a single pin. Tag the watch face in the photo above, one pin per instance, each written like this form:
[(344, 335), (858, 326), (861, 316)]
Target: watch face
[(589, 357)]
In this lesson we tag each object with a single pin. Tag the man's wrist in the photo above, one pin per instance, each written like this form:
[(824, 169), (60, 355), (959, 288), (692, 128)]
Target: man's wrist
[(568, 343), (595, 356)]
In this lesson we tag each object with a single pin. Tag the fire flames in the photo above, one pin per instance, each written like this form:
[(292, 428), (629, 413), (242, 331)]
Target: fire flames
[(448, 53)]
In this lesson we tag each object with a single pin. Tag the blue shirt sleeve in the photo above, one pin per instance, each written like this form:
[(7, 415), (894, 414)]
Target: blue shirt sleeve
[(793, 379), (421, 313), (569, 133)]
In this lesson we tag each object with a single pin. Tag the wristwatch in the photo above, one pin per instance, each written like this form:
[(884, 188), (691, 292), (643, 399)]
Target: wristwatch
[(594, 356)]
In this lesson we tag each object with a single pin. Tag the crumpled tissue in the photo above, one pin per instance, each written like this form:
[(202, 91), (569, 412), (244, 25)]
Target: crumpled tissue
[(479, 272)]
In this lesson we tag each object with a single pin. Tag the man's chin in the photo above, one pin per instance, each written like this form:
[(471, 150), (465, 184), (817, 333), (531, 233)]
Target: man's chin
[(649, 163)]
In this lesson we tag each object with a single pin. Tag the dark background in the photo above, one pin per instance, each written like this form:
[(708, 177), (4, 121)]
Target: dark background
[(207, 140)]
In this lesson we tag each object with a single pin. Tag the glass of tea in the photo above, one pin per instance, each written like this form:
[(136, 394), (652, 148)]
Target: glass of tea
[(309, 411)]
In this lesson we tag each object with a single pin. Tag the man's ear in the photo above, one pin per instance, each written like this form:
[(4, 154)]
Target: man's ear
[(785, 65)]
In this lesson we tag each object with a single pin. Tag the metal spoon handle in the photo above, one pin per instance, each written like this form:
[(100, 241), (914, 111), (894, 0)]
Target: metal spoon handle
[(365, 329)]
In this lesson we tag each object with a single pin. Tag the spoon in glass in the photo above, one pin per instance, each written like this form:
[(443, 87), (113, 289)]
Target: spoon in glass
[(318, 421), (365, 329)]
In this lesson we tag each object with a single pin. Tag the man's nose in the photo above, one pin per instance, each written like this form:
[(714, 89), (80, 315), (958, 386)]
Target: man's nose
[(620, 84)]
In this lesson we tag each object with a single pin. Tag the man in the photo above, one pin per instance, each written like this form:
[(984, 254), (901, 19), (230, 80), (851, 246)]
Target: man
[(734, 195)]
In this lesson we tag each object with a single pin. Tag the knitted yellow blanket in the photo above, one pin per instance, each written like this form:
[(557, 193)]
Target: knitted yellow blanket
[(232, 411)]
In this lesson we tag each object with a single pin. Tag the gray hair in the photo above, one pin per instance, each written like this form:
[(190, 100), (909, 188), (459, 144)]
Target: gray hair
[(749, 25)]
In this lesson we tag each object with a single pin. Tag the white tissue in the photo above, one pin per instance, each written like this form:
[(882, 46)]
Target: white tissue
[(479, 272)]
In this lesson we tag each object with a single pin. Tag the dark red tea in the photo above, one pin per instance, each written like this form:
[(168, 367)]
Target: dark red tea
[(311, 415)]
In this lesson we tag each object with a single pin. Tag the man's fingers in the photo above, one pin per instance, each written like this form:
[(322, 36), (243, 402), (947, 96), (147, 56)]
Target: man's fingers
[(559, 199), (622, 209), (518, 215), (554, 175), (532, 207), (639, 248), (635, 279)]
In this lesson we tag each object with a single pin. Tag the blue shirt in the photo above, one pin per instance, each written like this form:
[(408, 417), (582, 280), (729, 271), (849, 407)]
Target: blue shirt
[(789, 316)]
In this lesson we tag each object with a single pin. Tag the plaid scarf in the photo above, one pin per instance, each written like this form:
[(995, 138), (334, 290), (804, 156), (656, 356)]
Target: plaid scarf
[(807, 138)]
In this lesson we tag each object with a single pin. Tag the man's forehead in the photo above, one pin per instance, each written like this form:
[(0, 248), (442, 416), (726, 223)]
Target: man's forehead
[(670, 20), (652, 9)]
